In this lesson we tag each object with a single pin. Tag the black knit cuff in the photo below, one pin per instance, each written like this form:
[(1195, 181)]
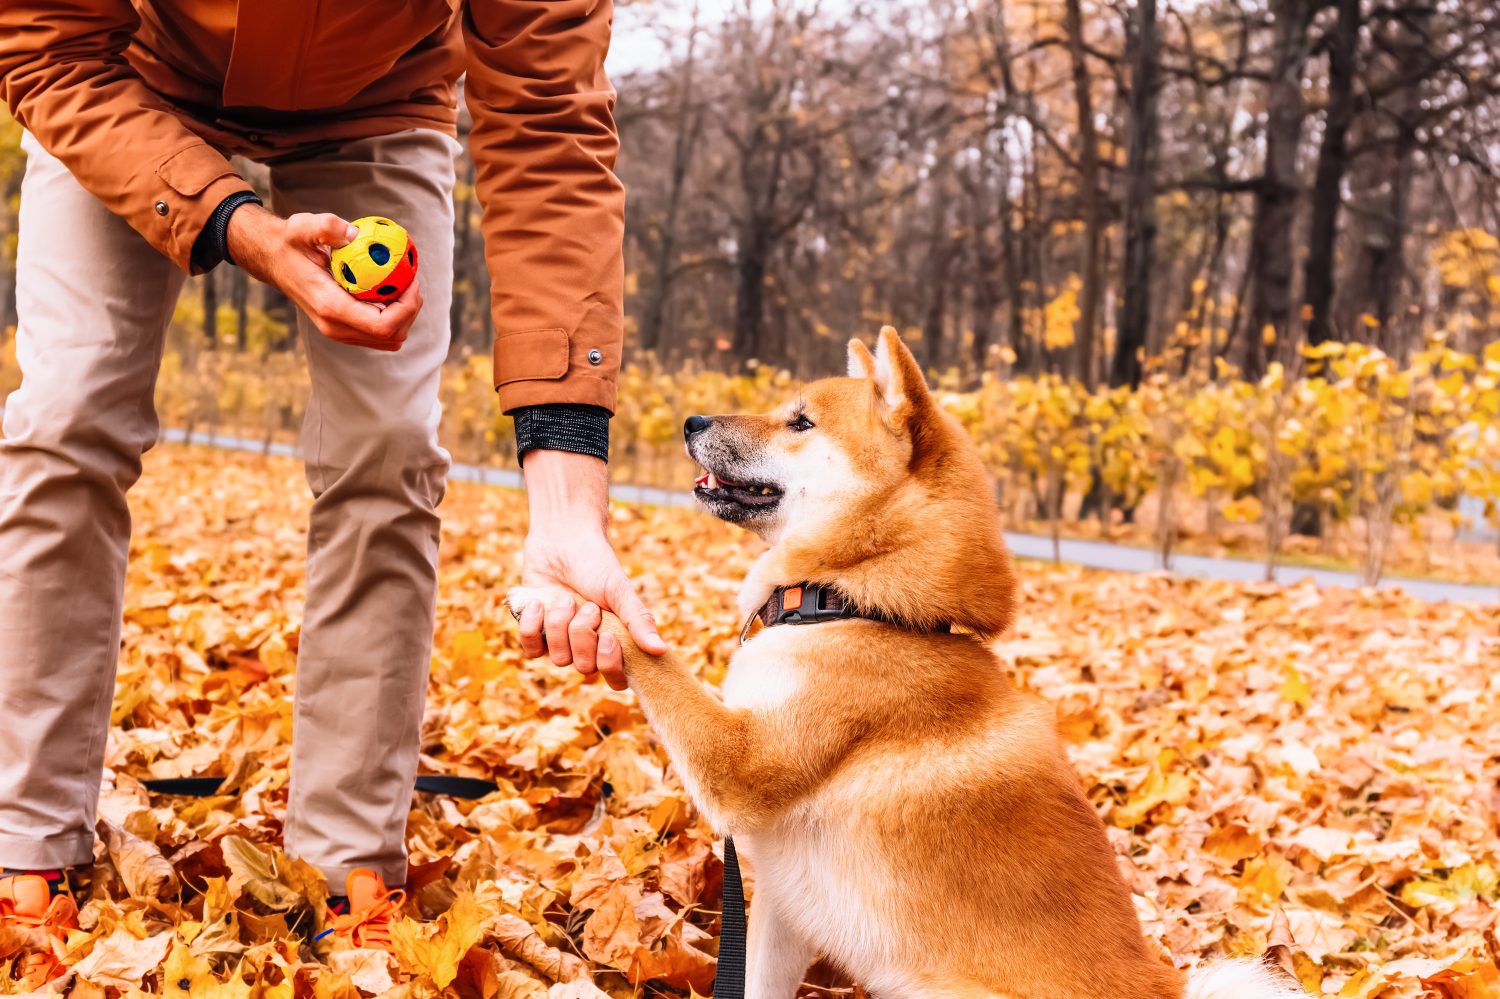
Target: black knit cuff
[(212, 245), (562, 427)]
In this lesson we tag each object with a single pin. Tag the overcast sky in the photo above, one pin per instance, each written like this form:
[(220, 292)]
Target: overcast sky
[(643, 29)]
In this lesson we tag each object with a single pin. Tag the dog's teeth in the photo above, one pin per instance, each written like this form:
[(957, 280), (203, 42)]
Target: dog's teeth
[(713, 481)]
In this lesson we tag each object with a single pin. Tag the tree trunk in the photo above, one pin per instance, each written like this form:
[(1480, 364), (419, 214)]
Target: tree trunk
[(1090, 201), (688, 123), (1140, 204), (211, 310), (1333, 163), (239, 297), (458, 311), (1381, 267), (936, 281), (985, 303), (752, 263), (1271, 251)]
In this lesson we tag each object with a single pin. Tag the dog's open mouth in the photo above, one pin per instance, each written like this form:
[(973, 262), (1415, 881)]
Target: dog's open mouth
[(747, 495)]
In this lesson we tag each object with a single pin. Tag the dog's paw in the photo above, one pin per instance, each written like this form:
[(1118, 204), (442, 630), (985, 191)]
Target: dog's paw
[(518, 598)]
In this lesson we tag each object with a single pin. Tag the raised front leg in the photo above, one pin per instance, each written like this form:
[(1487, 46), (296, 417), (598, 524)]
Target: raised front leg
[(737, 771)]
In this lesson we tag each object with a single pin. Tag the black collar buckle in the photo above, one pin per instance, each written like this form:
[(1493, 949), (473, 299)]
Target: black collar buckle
[(805, 603)]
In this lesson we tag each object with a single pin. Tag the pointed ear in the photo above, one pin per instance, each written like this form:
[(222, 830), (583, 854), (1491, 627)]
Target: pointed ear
[(897, 374), (861, 361)]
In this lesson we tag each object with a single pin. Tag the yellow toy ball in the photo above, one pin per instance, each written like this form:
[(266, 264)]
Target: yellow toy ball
[(378, 264)]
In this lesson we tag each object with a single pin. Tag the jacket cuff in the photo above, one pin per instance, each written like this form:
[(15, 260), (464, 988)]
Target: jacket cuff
[(194, 182), (558, 364), (211, 248), (562, 427)]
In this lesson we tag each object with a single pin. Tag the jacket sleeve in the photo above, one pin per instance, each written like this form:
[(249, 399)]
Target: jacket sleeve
[(64, 76), (544, 145)]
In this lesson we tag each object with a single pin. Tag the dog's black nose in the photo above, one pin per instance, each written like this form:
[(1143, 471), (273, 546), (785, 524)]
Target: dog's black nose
[(696, 425)]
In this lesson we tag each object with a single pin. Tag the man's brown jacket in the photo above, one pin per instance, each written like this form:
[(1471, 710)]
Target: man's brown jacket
[(144, 101)]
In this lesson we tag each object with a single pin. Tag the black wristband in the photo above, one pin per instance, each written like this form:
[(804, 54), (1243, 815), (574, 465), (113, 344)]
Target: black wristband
[(562, 427), (212, 245)]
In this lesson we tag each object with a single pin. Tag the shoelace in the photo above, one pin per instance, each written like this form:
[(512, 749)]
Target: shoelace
[(372, 927)]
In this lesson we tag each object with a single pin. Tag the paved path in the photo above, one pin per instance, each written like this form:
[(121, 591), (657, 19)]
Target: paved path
[(1123, 558), (1094, 554)]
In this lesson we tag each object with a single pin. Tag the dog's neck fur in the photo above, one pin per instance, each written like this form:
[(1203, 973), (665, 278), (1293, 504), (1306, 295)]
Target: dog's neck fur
[(928, 553)]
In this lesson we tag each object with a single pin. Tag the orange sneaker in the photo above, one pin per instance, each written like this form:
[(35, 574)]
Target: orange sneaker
[(366, 913), (38, 901)]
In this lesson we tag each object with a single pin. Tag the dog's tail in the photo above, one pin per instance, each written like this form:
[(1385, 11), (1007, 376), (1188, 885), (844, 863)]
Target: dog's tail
[(1244, 979)]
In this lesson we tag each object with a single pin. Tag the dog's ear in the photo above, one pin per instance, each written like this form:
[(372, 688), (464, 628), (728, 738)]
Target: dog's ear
[(897, 375), (861, 361)]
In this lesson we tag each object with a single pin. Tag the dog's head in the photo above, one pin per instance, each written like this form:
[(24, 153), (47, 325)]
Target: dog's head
[(866, 483)]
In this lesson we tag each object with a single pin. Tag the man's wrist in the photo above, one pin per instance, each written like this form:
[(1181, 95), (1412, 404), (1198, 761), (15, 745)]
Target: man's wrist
[(567, 490), (244, 237)]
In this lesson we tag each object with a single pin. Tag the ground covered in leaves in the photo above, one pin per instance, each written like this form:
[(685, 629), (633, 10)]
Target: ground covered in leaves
[(1332, 757)]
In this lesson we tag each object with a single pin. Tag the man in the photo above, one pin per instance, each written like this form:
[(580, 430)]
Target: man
[(132, 111)]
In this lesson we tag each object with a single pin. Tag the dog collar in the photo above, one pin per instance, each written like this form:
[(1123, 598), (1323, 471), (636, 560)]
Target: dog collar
[(809, 603)]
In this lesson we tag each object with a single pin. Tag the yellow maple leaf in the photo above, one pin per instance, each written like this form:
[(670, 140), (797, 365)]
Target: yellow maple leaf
[(1294, 686), (1161, 787), (434, 949), (1458, 887)]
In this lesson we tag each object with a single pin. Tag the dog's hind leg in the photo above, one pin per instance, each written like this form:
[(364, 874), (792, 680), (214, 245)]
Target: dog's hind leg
[(778, 955)]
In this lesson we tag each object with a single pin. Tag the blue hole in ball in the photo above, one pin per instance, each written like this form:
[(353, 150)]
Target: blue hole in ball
[(348, 274), (411, 256), (386, 290), (380, 253)]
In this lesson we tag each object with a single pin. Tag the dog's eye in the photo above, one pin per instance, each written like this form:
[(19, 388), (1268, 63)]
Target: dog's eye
[(800, 423)]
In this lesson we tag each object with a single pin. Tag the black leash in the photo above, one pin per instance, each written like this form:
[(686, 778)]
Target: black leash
[(729, 980), (471, 788), (809, 603)]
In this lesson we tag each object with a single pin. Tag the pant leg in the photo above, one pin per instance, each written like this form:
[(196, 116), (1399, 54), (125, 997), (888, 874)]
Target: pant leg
[(94, 300), (378, 475)]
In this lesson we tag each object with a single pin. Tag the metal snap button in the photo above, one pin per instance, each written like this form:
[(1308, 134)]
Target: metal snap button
[(596, 357), (161, 208)]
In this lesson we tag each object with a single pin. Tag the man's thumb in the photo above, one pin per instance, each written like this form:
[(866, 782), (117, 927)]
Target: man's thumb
[(330, 230), (629, 608)]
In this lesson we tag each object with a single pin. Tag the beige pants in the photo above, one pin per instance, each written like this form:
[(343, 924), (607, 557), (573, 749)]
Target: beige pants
[(94, 301)]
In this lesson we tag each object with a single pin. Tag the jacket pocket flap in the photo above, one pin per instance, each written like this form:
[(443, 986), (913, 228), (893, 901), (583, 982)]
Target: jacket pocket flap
[(531, 354), (188, 171)]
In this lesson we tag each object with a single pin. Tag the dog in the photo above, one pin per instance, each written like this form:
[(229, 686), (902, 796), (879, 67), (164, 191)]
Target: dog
[(909, 814)]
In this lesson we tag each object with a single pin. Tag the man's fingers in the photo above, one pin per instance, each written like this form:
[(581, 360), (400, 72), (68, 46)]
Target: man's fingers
[(338, 308), (559, 616), (532, 621), (611, 661), (386, 326), (629, 608), (583, 638)]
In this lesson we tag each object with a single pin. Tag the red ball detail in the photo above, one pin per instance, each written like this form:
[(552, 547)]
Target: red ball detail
[(398, 280)]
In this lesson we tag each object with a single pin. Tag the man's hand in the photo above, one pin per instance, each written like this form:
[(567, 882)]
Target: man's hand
[(292, 254), (568, 552)]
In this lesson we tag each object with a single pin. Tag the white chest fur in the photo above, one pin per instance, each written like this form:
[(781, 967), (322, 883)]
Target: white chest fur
[(765, 674)]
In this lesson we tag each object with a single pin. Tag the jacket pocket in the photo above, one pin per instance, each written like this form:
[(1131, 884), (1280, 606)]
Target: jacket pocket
[(189, 170), (531, 355)]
